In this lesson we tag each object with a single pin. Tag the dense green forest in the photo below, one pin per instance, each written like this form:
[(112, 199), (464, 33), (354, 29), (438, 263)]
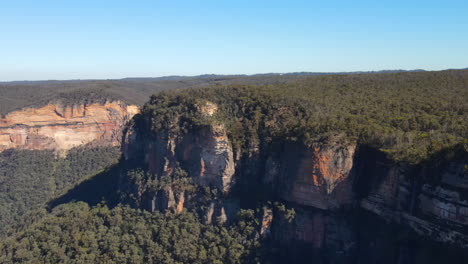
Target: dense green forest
[(29, 179), (76, 233), (408, 115), (17, 95)]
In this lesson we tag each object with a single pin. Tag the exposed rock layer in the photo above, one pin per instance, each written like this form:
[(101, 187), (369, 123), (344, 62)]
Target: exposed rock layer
[(334, 187), (60, 128)]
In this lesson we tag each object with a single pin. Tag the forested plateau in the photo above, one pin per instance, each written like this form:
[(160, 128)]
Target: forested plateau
[(358, 168)]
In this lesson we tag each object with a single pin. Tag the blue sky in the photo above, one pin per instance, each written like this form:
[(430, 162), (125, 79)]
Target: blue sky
[(114, 39)]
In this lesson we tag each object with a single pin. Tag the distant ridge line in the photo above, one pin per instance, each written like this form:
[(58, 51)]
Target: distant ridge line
[(202, 76)]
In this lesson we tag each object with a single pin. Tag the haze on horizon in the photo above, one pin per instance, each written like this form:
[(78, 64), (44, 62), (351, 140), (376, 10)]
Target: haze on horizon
[(43, 40)]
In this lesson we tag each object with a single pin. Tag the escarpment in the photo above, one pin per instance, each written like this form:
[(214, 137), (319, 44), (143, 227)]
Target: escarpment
[(204, 154), (317, 176), (335, 187), (430, 199), (62, 127)]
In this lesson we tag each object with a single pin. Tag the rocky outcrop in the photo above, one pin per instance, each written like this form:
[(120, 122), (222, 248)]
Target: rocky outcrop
[(401, 193), (329, 185), (447, 201), (62, 127), (208, 157), (317, 176), (204, 153)]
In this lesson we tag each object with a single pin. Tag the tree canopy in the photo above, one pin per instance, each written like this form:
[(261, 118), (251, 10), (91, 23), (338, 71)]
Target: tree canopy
[(408, 115)]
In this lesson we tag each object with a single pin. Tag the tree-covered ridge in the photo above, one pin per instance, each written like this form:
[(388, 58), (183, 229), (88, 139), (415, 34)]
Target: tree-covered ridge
[(76, 233), (30, 178), (408, 115), (18, 95)]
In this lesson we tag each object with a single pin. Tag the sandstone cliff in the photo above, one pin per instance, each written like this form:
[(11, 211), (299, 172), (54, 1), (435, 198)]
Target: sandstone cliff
[(61, 127), (205, 153), (335, 187)]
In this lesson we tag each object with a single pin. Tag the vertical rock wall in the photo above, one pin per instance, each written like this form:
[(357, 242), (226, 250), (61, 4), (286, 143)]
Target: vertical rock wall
[(60, 128), (325, 183)]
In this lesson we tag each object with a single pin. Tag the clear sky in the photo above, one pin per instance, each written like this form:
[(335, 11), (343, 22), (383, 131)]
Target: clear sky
[(113, 39)]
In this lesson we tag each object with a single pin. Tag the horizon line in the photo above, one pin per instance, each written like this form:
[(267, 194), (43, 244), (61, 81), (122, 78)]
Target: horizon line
[(228, 75)]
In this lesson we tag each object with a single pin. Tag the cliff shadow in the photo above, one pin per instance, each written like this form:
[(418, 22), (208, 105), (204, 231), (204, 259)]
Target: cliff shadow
[(102, 187), (370, 168)]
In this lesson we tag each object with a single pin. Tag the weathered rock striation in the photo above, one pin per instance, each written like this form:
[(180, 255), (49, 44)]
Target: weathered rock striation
[(62, 127), (328, 185), (204, 153)]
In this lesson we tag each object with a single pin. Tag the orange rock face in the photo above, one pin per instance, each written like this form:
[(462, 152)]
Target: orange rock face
[(60, 128), (320, 173)]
